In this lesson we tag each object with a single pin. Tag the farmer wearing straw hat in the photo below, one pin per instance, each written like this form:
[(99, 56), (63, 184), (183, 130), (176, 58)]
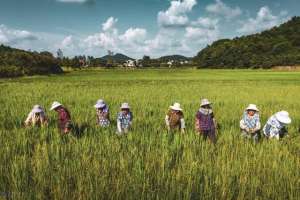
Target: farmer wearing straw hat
[(205, 122), (64, 117), (175, 119), (250, 123), (124, 119), (36, 117), (276, 125), (102, 113)]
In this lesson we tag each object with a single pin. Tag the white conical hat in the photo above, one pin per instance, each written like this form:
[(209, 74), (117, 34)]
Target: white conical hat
[(252, 107), (176, 106), (100, 104), (55, 104), (205, 102), (125, 106), (283, 117), (37, 109)]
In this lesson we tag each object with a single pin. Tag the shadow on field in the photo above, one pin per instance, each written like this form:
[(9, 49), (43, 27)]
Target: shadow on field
[(80, 129)]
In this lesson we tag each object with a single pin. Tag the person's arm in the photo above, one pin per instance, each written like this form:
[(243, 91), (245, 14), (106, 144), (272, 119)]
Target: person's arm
[(119, 124), (258, 126), (274, 132), (182, 125), (243, 125), (28, 119), (167, 121)]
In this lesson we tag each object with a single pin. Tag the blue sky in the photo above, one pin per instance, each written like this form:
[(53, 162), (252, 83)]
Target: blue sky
[(135, 27)]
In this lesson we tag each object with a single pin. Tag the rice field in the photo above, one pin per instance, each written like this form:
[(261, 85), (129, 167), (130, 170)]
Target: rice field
[(148, 163)]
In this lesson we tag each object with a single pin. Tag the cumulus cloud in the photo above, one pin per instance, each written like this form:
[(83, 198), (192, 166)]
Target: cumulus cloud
[(220, 8), (202, 31), (264, 20), (176, 14), (11, 36), (132, 40), (68, 43), (109, 24), (133, 36)]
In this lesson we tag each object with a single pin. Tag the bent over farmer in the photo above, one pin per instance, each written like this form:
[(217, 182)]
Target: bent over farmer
[(102, 112), (36, 117), (124, 119), (250, 123), (64, 118), (205, 122), (276, 125), (175, 119)]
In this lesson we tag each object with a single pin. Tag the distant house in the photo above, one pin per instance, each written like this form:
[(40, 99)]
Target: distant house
[(184, 62), (130, 63), (170, 63)]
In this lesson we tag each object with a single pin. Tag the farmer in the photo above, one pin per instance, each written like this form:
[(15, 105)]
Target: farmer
[(36, 117), (175, 119), (276, 125), (102, 112), (250, 123), (64, 117), (205, 122), (124, 119)]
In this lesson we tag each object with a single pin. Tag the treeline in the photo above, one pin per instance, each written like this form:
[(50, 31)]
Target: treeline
[(15, 62), (279, 46)]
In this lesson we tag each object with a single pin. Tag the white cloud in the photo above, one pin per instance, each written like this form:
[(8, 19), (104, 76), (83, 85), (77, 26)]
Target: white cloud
[(206, 22), (176, 14), (220, 8), (133, 36), (202, 31), (68, 43), (264, 20), (11, 36), (109, 24)]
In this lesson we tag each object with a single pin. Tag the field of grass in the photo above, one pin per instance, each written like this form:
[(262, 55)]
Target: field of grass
[(148, 163)]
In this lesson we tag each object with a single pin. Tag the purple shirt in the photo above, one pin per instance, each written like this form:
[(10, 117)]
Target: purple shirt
[(205, 122)]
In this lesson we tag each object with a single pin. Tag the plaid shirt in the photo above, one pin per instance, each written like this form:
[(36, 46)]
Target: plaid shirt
[(205, 121), (125, 120)]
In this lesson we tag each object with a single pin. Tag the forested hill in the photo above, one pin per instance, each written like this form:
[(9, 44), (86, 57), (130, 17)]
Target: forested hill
[(279, 46), (16, 62)]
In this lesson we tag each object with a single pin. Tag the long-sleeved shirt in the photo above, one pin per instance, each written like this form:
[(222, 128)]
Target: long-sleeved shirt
[(124, 121), (36, 119), (205, 120), (250, 122), (273, 128), (175, 120), (103, 118), (64, 118)]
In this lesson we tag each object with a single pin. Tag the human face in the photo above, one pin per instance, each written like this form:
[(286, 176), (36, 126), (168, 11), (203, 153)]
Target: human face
[(206, 106), (251, 112), (125, 111)]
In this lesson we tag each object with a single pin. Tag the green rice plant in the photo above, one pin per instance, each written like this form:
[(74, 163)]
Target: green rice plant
[(148, 163)]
